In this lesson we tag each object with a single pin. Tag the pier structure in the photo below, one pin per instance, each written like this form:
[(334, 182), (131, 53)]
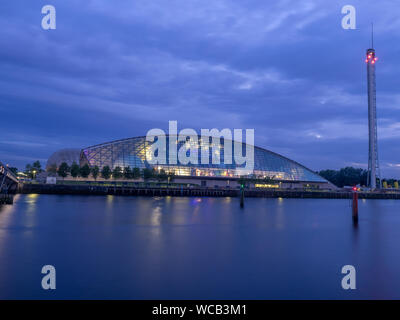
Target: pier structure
[(8, 184), (197, 191)]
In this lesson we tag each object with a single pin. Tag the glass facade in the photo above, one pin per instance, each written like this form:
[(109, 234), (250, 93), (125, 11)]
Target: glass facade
[(135, 152)]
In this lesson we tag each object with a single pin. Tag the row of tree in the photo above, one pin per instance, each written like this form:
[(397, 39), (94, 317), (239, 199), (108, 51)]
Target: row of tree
[(32, 169), (349, 176), (117, 173)]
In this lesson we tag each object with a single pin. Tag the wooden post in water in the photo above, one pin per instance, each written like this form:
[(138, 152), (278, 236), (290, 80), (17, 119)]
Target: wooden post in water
[(355, 206), (241, 195)]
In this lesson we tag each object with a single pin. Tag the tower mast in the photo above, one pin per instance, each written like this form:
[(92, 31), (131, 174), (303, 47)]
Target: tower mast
[(373, 162)]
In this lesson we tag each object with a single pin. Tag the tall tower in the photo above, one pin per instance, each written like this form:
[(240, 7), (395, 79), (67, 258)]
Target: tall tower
[(373, 162)]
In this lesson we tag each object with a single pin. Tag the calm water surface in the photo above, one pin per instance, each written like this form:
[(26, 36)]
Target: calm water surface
[(197, 248)]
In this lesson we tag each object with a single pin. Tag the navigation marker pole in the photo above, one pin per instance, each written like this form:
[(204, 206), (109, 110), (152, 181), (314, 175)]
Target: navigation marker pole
[(242, 195), (355, 206)]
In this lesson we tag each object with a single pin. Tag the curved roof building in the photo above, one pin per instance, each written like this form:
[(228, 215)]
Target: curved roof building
[(65, 155), (135, 152)]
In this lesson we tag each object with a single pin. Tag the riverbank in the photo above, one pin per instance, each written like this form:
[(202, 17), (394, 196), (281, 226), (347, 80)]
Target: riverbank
[(195, 191)]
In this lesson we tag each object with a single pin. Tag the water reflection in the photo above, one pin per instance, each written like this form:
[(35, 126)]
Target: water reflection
[(156, 216), (31, 200), (175, 248), (110, 199), (30, 212), (6, 212)]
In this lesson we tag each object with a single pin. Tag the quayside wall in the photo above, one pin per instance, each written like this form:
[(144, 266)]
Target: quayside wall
[(195, 192)]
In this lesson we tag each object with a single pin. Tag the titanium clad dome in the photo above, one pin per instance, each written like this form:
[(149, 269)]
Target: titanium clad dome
[(65, 155)]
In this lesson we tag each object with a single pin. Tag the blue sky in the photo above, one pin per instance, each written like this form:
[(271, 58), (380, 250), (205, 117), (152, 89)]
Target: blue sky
[(116, 69)]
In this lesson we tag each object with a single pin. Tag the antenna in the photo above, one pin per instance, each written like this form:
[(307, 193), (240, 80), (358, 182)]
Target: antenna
[(372, 34)]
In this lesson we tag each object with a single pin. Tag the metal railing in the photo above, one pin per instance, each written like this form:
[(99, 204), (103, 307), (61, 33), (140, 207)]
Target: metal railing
[(6, 173)]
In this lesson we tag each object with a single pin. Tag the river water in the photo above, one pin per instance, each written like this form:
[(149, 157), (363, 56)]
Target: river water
[(110, 247)]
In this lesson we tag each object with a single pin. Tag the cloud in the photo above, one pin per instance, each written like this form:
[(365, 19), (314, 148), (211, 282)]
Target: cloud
[(117, 69)]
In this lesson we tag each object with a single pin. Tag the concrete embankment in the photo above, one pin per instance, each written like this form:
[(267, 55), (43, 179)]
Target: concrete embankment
[(194, 191)]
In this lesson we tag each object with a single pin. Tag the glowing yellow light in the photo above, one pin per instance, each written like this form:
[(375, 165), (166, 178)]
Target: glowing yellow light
[(261, 185)]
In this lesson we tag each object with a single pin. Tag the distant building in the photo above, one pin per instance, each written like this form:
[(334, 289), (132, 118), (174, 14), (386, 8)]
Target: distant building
[(65, 155), (51, 180)]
